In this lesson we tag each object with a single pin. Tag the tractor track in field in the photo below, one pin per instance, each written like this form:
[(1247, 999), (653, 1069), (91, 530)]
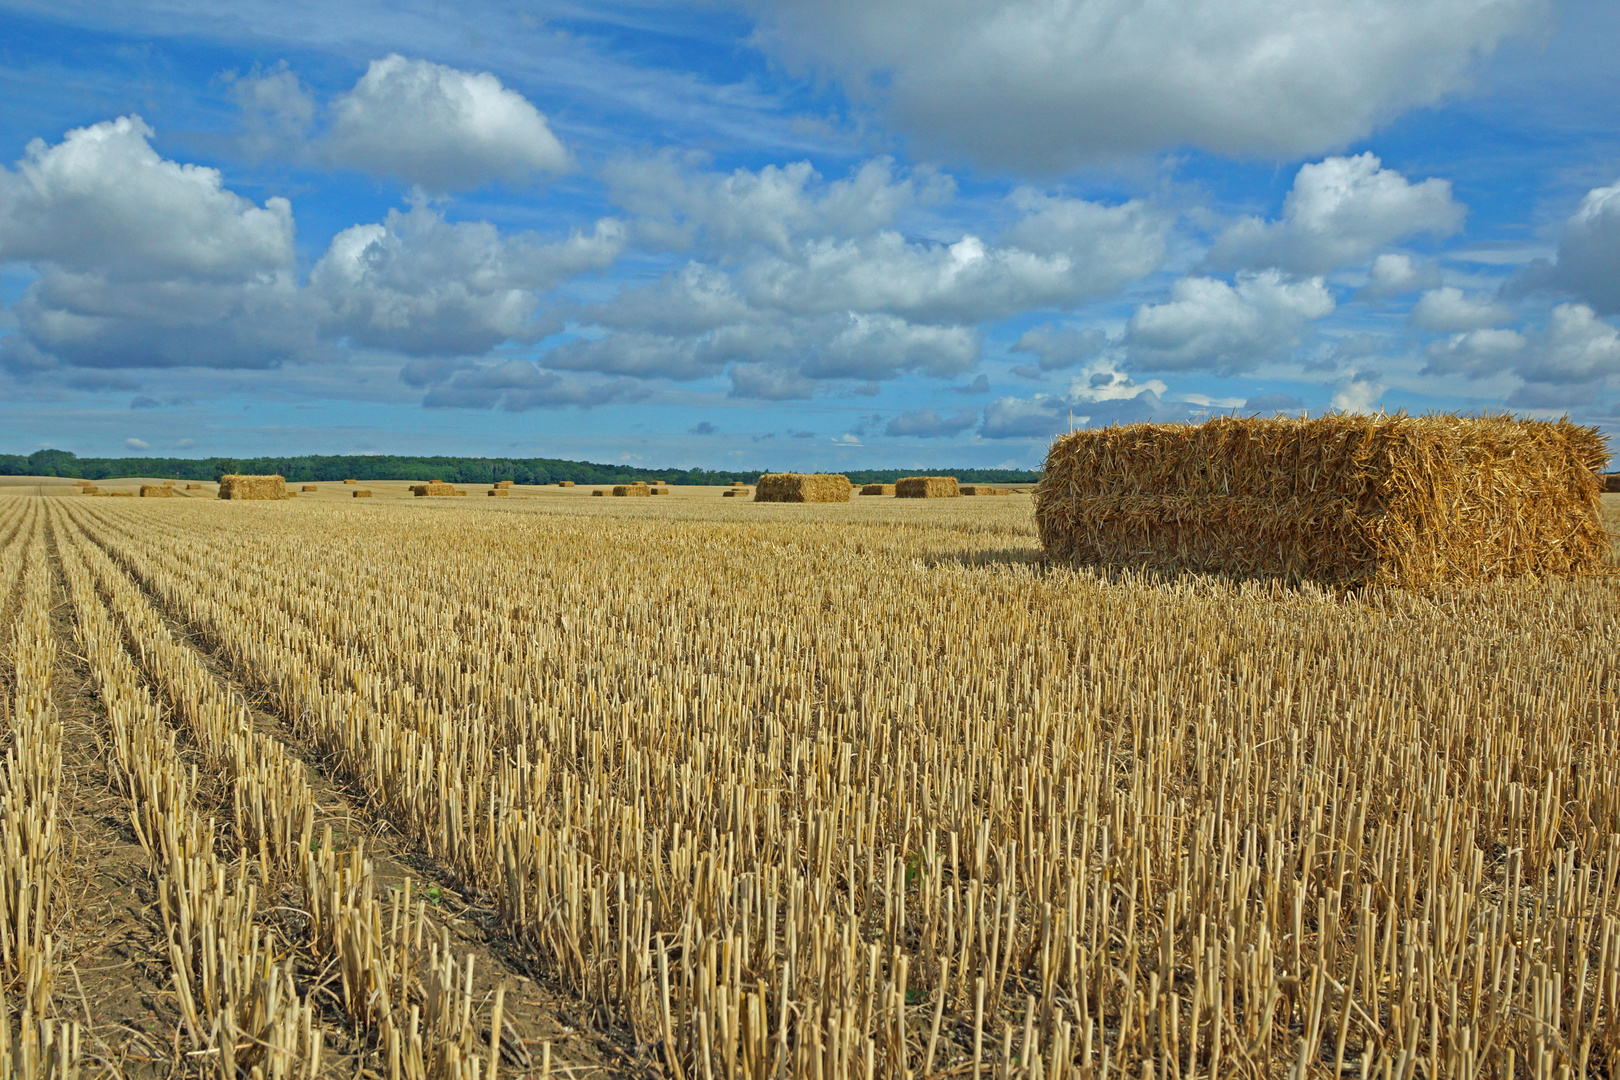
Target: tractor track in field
[(538, 1010)]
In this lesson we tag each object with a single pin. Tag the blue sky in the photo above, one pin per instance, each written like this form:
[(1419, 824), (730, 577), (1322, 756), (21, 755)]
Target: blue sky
[(794, 235)]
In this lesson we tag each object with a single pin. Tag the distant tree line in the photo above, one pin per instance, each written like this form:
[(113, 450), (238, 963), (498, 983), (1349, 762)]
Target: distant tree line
[(454, 470)]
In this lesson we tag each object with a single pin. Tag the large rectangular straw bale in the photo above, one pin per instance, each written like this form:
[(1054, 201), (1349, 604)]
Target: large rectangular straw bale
[(351, 481), (734, 493), (233, 486), (984, 489), (1342, 500), (598, 491), (565, 483), (193, 487), (803, 487), (90, 489), (503, 483), (309, 487), (122, 494), (500, 493), (926, 487), (637, 488), (435, 488), (877, 489), (156, 491), (361, 493)]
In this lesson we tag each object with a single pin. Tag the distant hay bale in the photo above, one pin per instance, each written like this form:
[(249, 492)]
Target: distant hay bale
[(361, 493), (157, 491), (1611, 483), (802, 487), (926, 487), (598, 491), (660, 491), (168, 483), (737, 483), (499, 493), (984, 489), (309, 487), (351, 481), (877, 489), (565, 483), (1341, 500), (623, 490), (90, 489), (434, 488), (233, 486), (121, 494), (194, 487), (735, 493), (503, 483)]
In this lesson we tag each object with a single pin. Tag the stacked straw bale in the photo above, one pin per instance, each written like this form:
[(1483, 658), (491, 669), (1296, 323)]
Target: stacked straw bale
[(503, 483), (361, 493), (157, 491), (984, 489), (499, 493), (351, 481), (660, 491), (565, 483), (637, 488), (193, 487), (738, 483), (121, 494), (926, 487), (1341, 500), (734, 493), (309, 487), (803, 487), (877, 489), (598, 491), (435, 488), (89, 489), (233, 486)]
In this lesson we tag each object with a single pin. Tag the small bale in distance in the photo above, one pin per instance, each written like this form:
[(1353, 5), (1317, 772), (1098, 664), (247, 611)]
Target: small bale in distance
[(565, 483), (735, 493), (156, 491), (434, 488), (351, 481), (1340, 500), (122, 494), (194, 487), (309, 487), (624, 490), (877, 489), (233, 486), (598, 491), (361, 493), (926, 487), (984, 489), (499, 493), (803, 487)]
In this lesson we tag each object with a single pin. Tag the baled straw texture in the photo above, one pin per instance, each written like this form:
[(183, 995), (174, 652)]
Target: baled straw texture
[(499, 493), (565, 483), (984, 489), (351, 481), (598, 491), (156, 491), (734, 493), (503, 483), (631, 489), (926, 487), (361, 493), (1341, 500), (877, 489), (309, 487), (233, 486), (435, 488), (802, 487)]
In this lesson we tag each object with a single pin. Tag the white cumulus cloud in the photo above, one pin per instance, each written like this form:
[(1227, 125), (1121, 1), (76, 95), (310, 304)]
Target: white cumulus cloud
[(439, 127), (1045, 85), (1209, 324), (1338, 213), (1449, 310), (1397, 275), (1588, 263)]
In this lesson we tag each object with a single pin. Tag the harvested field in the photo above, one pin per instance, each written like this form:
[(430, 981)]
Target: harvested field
[(252, 487), (802, 488), (1342, 500), (702, 790)]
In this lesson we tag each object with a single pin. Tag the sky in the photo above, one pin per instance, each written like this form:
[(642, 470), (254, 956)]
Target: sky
[(793, 235)]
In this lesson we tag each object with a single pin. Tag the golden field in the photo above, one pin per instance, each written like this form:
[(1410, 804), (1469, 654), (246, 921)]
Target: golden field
[(698, 787)]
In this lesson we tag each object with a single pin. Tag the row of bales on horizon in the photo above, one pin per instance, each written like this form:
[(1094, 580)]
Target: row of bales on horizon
[(1340, 500)]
